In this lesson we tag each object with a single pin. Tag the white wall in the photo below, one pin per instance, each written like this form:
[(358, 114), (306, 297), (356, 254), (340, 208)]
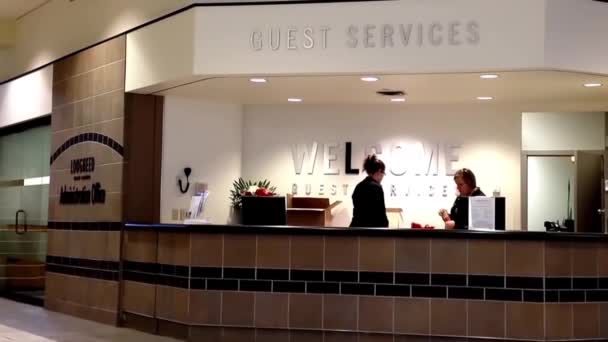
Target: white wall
[(548, 189), (61, 27), (563, 131), (576, 35), (206, 137), (490, 140), (27, 97)]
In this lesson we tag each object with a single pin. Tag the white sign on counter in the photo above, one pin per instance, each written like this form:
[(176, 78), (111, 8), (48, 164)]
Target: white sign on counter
[(482, 212)]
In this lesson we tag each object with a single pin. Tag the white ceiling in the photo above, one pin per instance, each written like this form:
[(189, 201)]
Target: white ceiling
[(14, 9), (530, 88)]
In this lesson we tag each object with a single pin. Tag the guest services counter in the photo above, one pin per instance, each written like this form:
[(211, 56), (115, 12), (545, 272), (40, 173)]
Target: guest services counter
[(218, 282)]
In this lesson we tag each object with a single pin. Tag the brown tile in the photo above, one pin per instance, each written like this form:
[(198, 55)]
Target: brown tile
[(173, 329), (338, 336), (558, 321), (486, 319), (114, 76), (339, 312), (586, 319), (448, 317), (206, 250), (584, 259), (273, 251), (306, 336), (140, 323), (237, 308), (486, 257), (525, 320), (172, 303), (238, 335), (413, 255), (604, 320), (112, 251), (448, 256), (412, 316), (140, 246), (602, 259), (174, 248), (307, 252), (305, 311), (207, 334), (115, 49), (271, 335), (139, 298), (558, 259), (271, 310), (239, 250), (376, 254), (376, 314), (371, 337), (205, 307), (341, 253), (525, 258)]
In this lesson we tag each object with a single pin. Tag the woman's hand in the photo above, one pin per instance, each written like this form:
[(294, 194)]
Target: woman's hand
[(443, 213)]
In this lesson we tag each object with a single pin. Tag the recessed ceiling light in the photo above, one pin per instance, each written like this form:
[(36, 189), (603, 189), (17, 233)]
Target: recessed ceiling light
[(485, 98), (592, 85), (293, 99), (398, 99), (258, 80), (489, 76), (369, 79)]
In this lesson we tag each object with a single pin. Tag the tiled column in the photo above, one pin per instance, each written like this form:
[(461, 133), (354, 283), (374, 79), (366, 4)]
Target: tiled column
[(84, 238)]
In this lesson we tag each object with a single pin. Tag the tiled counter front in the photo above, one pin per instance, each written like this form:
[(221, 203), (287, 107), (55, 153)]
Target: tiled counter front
[(187, 284)]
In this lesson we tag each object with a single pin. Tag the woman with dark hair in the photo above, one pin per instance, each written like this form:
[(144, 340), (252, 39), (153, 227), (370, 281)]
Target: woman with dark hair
[(467, 186), (368, 197)]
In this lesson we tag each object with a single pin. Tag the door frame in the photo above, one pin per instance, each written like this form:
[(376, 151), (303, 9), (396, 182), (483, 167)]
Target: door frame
[(524, 179)]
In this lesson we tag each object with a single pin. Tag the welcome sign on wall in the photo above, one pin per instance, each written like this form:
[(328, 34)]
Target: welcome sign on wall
[(414, 169)]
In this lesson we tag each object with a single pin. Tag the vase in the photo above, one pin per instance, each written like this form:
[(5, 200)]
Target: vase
[(235, 216)]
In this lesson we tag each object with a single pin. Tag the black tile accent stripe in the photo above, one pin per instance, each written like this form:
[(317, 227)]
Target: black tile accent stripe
[(603, 281), (223, 284), (465, 292), (88, 226), (535, 296), (486, 281), (376, 277), (558, 283), (585, 283), (457, 286), (323, 287), (357, 289), (429, 291), (255, 285), (571, 296), (239, 273), (83, 272), (393, 290), (205, 272), (308, 275), (596, 296), (449, 279), (289, 286), (340, 276), (525, 282), (413, 278), (504, 295), (272, 274)]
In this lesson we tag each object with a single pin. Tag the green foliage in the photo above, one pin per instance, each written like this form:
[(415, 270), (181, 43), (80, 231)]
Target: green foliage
[(241, 186)]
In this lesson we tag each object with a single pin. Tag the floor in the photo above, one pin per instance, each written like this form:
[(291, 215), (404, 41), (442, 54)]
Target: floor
[(26, 323)]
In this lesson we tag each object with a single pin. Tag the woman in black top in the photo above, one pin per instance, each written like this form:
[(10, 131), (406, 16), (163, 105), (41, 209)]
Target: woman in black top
[(368, 197), (467, 186)]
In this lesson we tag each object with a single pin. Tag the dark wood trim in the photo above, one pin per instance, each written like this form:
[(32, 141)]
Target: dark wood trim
[(143, 157)]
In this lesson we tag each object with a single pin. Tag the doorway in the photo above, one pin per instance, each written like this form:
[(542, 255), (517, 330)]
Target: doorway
[(24, 192)]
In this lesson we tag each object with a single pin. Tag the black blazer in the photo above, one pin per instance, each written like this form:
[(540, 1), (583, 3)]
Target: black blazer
[(368, 205), (460, 210)]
